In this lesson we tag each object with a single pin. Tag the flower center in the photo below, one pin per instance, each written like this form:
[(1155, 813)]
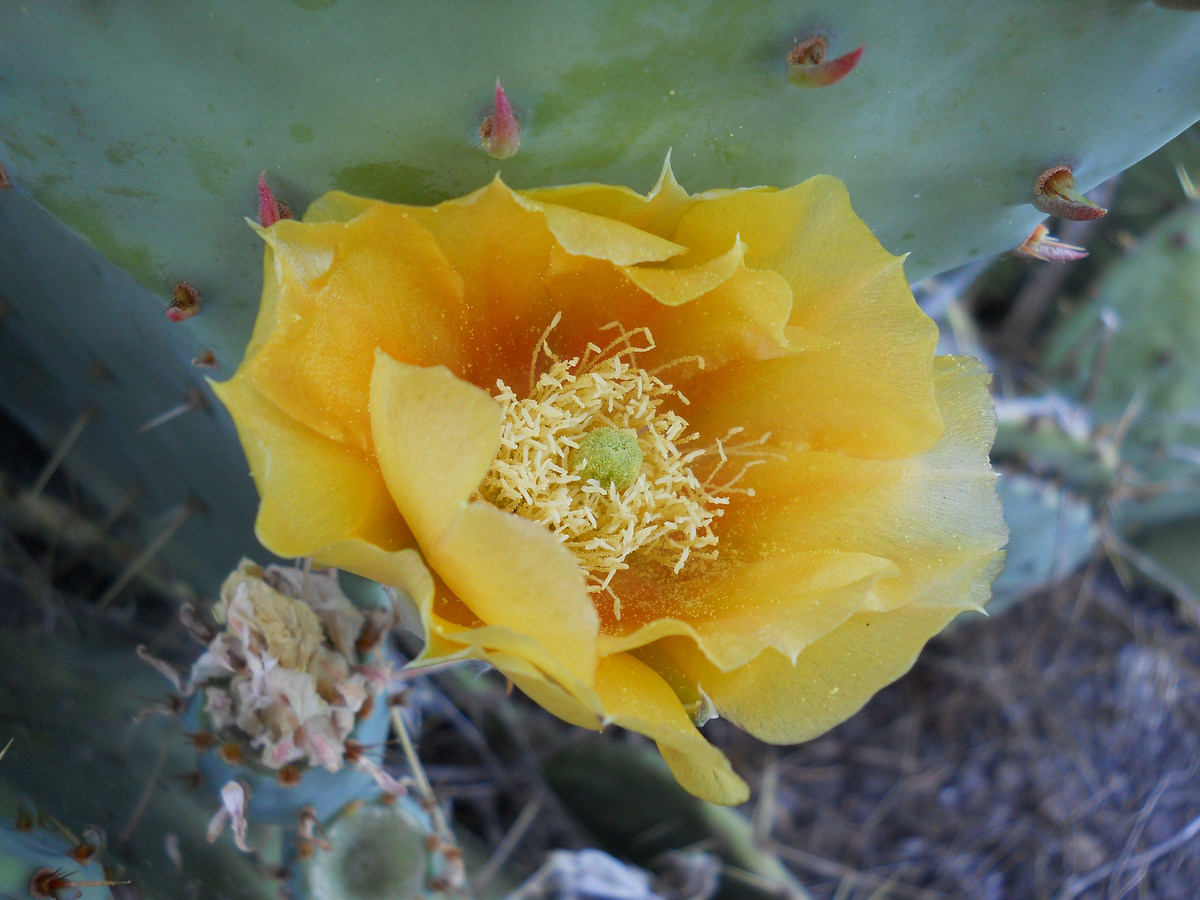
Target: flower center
[(607, 456), (594, 454)]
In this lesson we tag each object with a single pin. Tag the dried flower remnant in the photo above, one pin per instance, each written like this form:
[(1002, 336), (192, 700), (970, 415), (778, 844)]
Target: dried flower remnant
[(500, 132), (807, 66), (270, 209), (281, 681), (185, 302), (1054, 194), (1042, 245)]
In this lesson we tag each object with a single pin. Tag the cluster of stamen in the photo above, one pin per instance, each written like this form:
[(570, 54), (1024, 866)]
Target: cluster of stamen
[(661, 510)]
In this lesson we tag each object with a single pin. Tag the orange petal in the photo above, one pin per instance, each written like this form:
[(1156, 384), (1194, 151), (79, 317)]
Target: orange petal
[(637, 698), (313, 490), (436, 437)]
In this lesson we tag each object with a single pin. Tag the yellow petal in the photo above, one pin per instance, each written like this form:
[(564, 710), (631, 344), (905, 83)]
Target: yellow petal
[(583, 234), (579, 706), (537, 671), (336, 206), (314, 491), (385, 285), (637, 698), (786, 703), (870, 392), (930, 514), (436, 437), (785, 603), (657, 212)]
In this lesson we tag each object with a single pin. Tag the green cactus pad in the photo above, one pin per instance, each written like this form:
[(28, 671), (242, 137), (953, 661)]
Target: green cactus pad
[(146, 140)]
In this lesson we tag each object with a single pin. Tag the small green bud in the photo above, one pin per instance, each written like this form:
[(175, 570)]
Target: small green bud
[(607, 456)]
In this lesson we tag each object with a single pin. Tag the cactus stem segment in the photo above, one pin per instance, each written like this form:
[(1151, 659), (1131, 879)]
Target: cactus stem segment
[(500, 133), (807, 66), (60, 454), (185, 302), (1042, 245), (1054, 194), (270, 210)]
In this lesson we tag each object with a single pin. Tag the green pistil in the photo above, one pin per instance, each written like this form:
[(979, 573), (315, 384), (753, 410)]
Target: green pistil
[(607, 456)]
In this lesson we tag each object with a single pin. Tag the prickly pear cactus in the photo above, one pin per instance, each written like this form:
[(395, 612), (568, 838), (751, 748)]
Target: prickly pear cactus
[(148, 137), (38, 854), (80, 756)]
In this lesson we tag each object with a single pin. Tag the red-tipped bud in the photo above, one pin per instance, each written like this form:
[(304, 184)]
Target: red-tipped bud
[(185, 302), (1054, 194), (270, 210), (1042, 245), (500, 133), (807, 66)]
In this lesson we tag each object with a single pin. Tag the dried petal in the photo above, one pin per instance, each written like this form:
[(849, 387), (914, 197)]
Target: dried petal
[(233, 810)]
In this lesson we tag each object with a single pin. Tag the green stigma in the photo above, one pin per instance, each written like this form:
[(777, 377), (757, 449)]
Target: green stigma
[(607, 456)]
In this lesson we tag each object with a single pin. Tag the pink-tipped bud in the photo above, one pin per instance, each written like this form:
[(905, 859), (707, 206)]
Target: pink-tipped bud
[(807, 66), (1054, 194), (270, 210), (1042, 245), (185, 302), (500, 133)]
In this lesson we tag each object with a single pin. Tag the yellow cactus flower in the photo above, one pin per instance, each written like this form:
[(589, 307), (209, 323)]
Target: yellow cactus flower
[(653, 457)]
